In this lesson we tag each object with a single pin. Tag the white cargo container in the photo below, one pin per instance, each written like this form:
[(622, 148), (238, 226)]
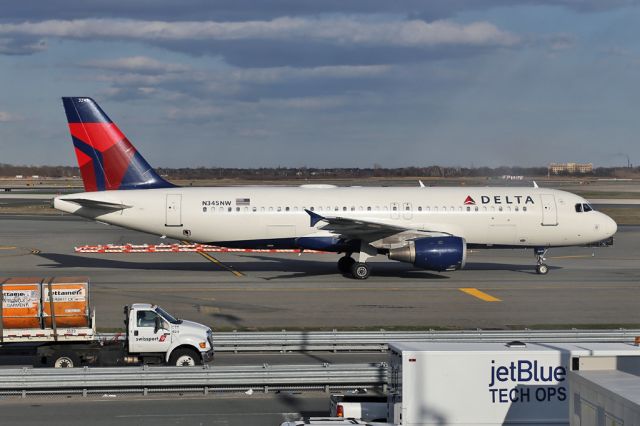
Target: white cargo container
[(489, 383), (609, 398)]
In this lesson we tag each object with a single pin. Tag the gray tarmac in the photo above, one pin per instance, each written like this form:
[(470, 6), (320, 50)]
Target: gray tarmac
[(287, 291), (158, 410)]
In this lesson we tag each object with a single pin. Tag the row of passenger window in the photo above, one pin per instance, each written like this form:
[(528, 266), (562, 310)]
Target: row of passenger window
[(407, 209)]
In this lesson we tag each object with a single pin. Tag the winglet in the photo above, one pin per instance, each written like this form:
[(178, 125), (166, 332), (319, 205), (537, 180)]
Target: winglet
[(421, 184), (535, 185), (315, 217)]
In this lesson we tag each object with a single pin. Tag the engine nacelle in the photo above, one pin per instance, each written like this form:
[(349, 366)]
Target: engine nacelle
[(433, 253)]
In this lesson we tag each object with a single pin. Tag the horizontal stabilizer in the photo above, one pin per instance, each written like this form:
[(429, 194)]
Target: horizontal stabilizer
[(97, 204)]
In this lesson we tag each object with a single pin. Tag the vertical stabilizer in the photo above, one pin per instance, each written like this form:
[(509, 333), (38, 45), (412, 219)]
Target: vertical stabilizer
[(106, 158)]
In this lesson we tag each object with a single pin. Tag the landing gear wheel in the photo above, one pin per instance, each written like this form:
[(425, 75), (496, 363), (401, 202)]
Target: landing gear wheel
[(185, 358), (63, 360), (360, 271), (345, 263), (542, 269)]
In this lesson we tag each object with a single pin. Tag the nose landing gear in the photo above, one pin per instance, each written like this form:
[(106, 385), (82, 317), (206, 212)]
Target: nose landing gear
[(541, 267)]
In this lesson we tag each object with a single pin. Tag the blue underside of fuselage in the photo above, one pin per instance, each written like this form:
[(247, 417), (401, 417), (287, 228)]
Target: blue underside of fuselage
[(291, 244), (268, 243)]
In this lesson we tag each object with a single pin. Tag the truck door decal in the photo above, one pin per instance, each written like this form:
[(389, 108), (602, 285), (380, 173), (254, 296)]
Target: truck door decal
[(174, 210)]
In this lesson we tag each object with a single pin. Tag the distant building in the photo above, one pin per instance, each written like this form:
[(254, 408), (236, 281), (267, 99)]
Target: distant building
[(571, 168)]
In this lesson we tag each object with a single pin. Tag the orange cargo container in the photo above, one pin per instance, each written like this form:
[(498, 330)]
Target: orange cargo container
[(70, 302), (21, 303), (26, 302)]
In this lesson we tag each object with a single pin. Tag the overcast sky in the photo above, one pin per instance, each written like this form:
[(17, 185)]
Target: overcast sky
[(333, 83)]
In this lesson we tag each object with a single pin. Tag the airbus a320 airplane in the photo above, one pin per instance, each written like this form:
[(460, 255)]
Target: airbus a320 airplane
[(430, 228)]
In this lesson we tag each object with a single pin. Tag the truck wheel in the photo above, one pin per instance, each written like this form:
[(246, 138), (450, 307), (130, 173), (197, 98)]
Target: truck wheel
[(185, 358), (63, 360)]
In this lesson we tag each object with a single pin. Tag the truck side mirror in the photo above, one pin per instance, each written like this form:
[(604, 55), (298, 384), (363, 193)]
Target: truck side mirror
[(158, 324)]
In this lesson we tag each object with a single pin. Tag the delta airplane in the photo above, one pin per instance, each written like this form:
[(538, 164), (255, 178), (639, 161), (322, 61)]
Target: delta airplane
[(429, 227)]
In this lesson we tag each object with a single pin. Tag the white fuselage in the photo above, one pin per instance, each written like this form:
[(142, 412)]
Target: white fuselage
[(258, 217)]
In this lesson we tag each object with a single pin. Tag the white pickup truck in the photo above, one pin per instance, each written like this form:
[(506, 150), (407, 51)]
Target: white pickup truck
[(53, 318), (153, 336)]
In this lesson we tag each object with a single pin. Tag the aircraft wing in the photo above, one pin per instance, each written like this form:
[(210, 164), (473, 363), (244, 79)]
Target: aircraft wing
[(367, 230), (96, 204)]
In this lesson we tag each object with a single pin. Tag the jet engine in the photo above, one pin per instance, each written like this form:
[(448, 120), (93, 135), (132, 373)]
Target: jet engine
[(433, 253)]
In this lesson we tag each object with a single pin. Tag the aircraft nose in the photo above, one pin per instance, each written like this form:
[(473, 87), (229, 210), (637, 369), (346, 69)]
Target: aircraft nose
[(609, 226), (613, 226)]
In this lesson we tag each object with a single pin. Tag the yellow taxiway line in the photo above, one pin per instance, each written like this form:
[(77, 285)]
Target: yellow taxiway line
[(217, 262), (480, 294), (220, 264)]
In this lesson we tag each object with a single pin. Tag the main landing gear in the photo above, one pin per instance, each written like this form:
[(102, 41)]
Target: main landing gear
[(358, 269), (541, 267), (345, 263)]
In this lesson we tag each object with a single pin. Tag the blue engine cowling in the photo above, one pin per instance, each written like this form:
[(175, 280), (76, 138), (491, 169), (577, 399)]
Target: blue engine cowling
[(433, 253)]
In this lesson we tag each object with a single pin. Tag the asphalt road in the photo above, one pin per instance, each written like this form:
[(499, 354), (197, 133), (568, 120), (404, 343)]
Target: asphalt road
[(17, 357), (288, 291), (158, 410)]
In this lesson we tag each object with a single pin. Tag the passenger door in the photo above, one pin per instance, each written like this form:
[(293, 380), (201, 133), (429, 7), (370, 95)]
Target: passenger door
[(143, 335), (549, 211), (173, 210)]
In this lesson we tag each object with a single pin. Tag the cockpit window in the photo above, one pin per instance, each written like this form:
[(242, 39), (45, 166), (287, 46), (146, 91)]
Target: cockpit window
[(583, 207)]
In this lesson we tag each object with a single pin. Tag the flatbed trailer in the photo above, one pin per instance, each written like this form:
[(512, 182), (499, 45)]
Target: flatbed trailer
[(33, 309)]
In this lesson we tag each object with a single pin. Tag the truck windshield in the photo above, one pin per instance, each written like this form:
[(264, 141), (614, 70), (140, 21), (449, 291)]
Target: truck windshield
[(164, 314)]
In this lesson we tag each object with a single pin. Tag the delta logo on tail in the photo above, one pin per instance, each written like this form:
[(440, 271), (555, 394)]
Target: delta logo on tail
[(106, 158), (469, 201)]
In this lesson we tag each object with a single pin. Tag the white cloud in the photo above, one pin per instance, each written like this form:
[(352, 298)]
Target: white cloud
[(337, 30), (331, 71), (308, 102), (7, 117), (21, 45), (559, 42), (141, 64), (142, 70), (232, 80)]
